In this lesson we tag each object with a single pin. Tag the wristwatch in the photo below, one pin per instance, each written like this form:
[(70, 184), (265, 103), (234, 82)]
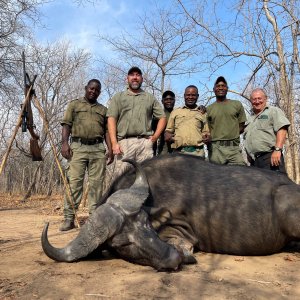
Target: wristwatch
[(277, 149)]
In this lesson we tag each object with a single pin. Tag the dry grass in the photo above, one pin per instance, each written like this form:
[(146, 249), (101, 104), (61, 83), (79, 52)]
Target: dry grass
[(45, 205)]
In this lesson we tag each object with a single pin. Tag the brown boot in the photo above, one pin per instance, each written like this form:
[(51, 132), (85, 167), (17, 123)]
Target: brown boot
[(67, 225)]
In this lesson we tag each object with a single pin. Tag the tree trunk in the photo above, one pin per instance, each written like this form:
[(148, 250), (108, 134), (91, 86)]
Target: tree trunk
[(286, 100), (32, 184)]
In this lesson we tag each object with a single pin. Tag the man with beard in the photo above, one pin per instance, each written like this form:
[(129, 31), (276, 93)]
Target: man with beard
[(85, 121), (130, 115), (226, 119), (187, 125), (168, 102)]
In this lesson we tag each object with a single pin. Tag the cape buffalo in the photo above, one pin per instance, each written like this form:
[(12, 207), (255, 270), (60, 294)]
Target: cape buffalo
[(192, 204)]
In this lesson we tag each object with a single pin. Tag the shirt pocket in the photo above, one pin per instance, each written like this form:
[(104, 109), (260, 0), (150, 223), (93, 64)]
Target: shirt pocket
[(99, 118), (180, 120), (199, 121), (263, 125), (81, 114)]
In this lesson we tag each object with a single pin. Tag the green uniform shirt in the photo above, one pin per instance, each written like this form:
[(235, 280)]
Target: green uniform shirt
[(162, 146), (188, 126), (224, 119), (261, 129), (86, 120), (167, 113), (134, 113)]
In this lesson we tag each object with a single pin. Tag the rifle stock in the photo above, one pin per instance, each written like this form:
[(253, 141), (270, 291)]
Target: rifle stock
[(27, 116)]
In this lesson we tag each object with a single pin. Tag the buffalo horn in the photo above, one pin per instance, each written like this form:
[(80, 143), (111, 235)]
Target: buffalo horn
[(106, 221), (100, 226)]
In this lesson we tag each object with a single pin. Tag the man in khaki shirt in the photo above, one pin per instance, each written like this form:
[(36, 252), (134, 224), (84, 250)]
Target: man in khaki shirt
[(265, 133), (85, 120), (187, 125), (130, 116)]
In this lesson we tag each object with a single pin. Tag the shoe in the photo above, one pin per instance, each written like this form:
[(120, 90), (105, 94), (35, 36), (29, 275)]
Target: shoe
[(67, 225)]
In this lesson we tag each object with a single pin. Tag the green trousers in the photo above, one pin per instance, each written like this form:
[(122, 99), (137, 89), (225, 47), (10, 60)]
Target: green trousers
[(90, 158), (225, 155)]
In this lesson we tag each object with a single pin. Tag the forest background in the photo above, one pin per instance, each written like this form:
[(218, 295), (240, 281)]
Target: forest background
[(175, 43)]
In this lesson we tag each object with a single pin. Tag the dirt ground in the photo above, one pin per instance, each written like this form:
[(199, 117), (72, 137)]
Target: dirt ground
[(27, 273)]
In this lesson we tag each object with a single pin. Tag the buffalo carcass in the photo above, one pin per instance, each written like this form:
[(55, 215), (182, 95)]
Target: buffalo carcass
[(192, 204)]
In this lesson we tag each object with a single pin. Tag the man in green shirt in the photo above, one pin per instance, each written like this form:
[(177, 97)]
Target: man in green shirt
[(226, 119), (265, 133), (130, 116), (168, 102), (85, 121), (187, 125)]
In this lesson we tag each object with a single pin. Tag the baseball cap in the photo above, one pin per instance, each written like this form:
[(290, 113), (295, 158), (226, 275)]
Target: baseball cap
[(221, 79), (168, 93), (135, 69)]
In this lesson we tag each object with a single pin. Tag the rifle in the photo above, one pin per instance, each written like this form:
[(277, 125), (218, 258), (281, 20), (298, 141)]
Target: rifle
[(27, 116)]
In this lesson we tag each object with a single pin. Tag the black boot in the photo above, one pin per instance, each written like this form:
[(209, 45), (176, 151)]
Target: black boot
[(67, 225)]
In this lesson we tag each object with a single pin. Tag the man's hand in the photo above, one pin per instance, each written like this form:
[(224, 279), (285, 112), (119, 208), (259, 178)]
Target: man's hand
[(169, 137), (153, 138), (275, 158), (206, 138), (202, 109), (109, 157), (116, 148), (66, 151)]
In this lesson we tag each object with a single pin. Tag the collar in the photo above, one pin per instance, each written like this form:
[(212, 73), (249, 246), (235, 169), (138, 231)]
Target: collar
[(266, 107), (185, 107), (166, 111), (83, 99), (129, 92)]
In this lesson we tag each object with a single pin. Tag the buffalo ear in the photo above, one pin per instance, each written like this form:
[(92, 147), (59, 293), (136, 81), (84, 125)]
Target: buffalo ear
[(158, 216)]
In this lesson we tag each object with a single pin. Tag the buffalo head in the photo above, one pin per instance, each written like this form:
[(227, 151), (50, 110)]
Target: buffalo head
[(123, 225)]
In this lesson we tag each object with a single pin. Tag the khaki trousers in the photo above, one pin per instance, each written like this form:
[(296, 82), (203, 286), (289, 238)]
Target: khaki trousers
[(137, 149)]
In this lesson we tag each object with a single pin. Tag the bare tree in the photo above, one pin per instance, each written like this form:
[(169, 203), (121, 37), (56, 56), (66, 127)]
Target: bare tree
[(112, 76), (61, 77), (164, 47), (263, 36), (13, 30), (15, 16)]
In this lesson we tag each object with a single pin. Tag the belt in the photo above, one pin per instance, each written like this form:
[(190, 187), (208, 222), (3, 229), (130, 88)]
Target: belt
[(227, 143), (190, 148), (135, 137), (87, 141), (259, 154)]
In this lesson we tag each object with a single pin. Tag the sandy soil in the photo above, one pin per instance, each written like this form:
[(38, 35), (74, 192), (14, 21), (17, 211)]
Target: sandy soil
[(26, 272)]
